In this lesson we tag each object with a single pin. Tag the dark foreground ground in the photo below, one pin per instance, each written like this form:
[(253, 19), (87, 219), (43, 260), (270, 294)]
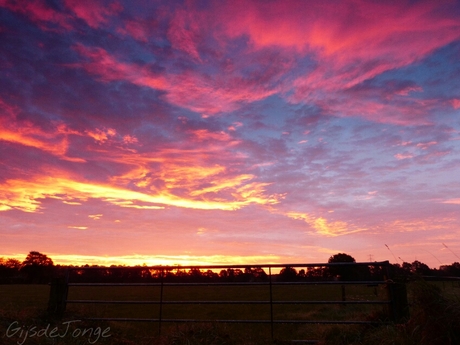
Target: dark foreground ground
[(435, 317)]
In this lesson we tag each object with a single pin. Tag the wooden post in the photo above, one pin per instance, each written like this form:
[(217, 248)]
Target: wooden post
[(399, 307), (58, 297)]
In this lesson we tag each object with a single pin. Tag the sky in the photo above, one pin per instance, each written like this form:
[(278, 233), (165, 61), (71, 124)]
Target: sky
[(227, 132)]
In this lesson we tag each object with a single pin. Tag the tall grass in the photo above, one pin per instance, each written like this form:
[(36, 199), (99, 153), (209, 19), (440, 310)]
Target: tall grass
[(434, 320)]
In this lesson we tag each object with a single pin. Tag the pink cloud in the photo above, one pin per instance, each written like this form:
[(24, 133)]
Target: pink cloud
[(108, 68), (400, 111), (191, 90), (361, 29), (350, 41), (183, 32), (94, 13), (137, 29), (38, 12), (456, 103), (452, 201), (424, 146), (400, 156), (204, 134)]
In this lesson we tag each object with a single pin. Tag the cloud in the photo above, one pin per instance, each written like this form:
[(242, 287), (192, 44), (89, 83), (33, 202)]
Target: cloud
[(27, 195), (456, 103), (452, 201), (324, 227), (41, 14), (78, 227), (182, 37), (400, 156), (25, 133), (350, 42), (94, 13), (189, 89), (308, 54)]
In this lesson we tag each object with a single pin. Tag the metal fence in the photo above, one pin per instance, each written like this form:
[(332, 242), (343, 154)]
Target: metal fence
[(396, 300)]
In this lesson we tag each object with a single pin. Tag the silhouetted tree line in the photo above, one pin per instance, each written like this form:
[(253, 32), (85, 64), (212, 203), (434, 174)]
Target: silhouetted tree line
[(38, 268)]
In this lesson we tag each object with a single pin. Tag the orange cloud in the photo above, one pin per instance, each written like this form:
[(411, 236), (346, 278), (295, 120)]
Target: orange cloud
[(401, 156), (204, 134), (55, 141), (101, 135), (323, 226), (26, 195), (452, 201), (27, 134), (193, 173)]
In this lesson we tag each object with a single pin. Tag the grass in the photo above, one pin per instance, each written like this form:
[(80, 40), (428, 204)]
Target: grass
[(26, 304)]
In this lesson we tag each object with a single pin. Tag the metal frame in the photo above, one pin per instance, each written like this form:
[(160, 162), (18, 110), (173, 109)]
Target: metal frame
[(270, 283)]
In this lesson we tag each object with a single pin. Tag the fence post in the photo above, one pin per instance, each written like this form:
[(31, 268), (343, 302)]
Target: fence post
[(58, 297), (161, 303), (344, 296), (271, 299), (399, 307)]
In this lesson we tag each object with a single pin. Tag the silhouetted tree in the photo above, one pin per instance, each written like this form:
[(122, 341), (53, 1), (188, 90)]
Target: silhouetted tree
[(195, 275), (9, 270), (345, 272), (210, 275), (259, 274), (301, 274), (420, 268), (288, 274), (317, 273), (223, 274), (341, 257), (451, 270), (37, 267), (231, 275), (255, 274)]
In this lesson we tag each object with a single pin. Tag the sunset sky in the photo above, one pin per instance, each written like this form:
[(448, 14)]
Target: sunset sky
[(187, 132)]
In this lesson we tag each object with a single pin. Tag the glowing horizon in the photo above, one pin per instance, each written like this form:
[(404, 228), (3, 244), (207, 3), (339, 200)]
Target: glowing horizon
[(230, 130)]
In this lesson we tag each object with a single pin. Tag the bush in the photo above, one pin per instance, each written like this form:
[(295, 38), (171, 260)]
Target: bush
[(435, 319)]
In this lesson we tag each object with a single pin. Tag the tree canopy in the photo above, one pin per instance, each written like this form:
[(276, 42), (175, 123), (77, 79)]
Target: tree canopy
[(37, 259), (341, 257)]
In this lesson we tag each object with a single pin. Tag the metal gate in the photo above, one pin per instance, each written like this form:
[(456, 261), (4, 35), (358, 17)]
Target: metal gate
[(396, 301)]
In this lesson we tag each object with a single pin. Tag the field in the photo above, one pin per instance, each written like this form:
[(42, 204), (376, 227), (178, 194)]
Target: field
[(26, 305)]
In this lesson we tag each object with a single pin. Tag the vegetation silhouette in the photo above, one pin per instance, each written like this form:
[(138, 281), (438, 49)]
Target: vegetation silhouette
[(38, 268)]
